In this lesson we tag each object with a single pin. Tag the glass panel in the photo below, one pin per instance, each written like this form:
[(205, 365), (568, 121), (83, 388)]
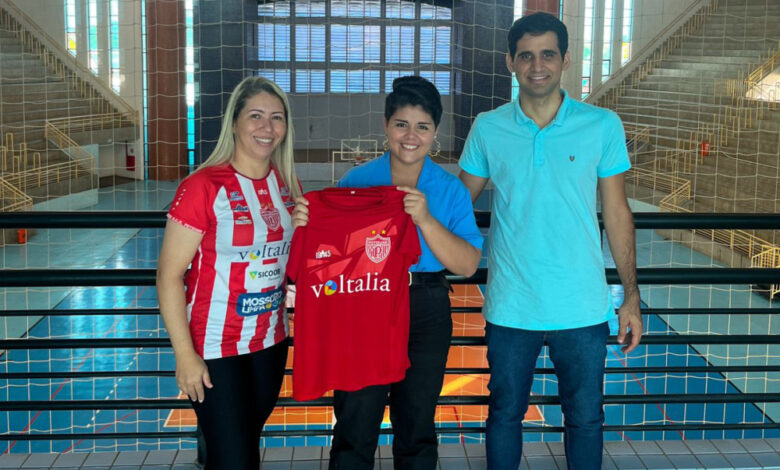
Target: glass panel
[(70, 26), (310, 8), (273, 42), (277, 9), (391, 75), (310, 81), (400, 9), (398, 39), (628, 22), (280, 76), (338, 81), (92, 39), (310, 43), (440, 78), (435, 45)]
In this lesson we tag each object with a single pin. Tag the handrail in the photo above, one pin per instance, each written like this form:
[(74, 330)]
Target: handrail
[(673, 27), (55, 173), (50, 46), (19, 201), (762, 253), (636, 134), (157, 219), (69, 146), (764, 69), (768, 258), (90, 122), (147, 277)]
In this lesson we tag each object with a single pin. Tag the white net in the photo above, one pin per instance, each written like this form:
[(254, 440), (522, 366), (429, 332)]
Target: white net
[(105, 105)]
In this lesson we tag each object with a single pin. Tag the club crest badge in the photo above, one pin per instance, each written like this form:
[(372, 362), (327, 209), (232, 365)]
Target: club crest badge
[(571, 158), (271, 217), (377, 247)]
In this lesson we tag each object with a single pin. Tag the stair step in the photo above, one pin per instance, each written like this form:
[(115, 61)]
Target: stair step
[(36, 113)]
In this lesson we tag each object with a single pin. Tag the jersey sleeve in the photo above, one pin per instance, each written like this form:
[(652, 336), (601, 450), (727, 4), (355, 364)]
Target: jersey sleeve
[(614, 154), (473, 160), (463, 224), (190, 203)]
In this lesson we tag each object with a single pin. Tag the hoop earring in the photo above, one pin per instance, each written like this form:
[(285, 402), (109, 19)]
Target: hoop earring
[(437, 149), (385, 145)]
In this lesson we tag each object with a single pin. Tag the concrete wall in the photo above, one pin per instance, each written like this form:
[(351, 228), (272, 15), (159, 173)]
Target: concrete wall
[(652, 16), (323, 120)]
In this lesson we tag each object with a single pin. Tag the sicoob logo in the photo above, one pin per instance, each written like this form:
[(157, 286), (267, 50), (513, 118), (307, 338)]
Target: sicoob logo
[(257, 303)]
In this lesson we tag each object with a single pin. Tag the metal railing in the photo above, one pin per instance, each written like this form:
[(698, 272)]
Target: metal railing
[(12, 199), (78, 155), (137, 277)]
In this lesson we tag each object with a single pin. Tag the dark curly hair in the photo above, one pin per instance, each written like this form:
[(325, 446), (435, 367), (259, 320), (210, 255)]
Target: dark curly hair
[(414, 91)]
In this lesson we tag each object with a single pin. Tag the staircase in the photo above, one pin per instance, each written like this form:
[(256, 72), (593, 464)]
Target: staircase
[(686, 96), (48, 110)]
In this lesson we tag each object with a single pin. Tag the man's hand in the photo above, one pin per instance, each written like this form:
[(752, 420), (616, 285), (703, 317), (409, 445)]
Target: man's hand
[(631, 327)]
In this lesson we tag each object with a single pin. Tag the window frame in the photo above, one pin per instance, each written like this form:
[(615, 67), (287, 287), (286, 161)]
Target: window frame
[(291, 20)]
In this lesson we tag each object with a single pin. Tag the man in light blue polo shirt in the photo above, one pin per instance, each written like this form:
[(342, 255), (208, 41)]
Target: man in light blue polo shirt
[(548, 156)]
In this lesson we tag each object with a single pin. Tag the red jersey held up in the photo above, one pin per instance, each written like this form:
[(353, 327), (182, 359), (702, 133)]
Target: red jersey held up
[(350, 265)]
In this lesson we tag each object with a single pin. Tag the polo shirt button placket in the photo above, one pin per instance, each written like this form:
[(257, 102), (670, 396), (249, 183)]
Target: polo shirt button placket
[(539, 156)]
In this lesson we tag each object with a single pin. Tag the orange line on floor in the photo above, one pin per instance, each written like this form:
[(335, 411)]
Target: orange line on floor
[(464, 324)]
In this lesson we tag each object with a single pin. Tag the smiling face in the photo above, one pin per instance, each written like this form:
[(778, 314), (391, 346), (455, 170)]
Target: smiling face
[(259, 128), (538, 65), (410, 132)]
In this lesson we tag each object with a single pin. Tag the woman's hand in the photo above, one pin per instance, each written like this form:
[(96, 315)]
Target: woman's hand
[(300, 215), (191, 375), (415, 205)]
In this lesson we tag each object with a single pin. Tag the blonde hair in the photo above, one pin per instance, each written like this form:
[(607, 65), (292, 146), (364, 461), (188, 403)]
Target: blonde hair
[(283, 156)]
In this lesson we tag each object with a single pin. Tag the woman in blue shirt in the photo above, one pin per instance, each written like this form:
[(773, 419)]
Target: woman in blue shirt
[(441, 208)]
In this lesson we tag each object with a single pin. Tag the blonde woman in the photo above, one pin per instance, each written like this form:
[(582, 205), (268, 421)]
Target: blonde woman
[(230, 224)]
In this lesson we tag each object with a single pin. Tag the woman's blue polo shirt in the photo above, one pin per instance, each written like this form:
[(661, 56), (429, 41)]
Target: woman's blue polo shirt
[(449, 202)]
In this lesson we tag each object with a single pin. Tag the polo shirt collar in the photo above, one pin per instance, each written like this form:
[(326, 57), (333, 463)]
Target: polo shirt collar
[(425, 173), (560, 116)]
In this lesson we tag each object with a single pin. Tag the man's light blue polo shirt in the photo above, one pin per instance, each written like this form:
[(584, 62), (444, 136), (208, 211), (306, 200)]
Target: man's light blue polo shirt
[(449, 202), (545, 266)]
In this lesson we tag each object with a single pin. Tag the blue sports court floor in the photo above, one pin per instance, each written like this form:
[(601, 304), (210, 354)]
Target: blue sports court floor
[(58, 249)]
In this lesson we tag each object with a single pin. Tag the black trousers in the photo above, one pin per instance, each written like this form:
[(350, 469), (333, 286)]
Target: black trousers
[(234, 411), (412, 401)]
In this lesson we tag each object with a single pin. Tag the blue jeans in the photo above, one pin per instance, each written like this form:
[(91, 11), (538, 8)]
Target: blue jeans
[(578, 355)]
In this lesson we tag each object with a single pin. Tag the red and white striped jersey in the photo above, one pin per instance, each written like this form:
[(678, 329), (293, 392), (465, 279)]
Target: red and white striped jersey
[(235, 285)]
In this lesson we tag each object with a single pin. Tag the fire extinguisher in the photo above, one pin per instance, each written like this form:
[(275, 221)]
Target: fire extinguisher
[(129, 156), (705, 148)]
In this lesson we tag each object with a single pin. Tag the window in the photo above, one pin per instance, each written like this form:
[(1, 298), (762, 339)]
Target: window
[(587, 49), (92, 42), (606, 53), (113, 44), (628, 21), (353, 46), (189, 81), (70, 26)]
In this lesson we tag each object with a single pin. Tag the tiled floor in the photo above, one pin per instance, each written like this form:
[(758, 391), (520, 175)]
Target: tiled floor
[(620, 455)]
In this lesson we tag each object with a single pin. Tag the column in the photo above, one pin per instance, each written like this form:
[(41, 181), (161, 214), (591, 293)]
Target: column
[(167, 109)]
